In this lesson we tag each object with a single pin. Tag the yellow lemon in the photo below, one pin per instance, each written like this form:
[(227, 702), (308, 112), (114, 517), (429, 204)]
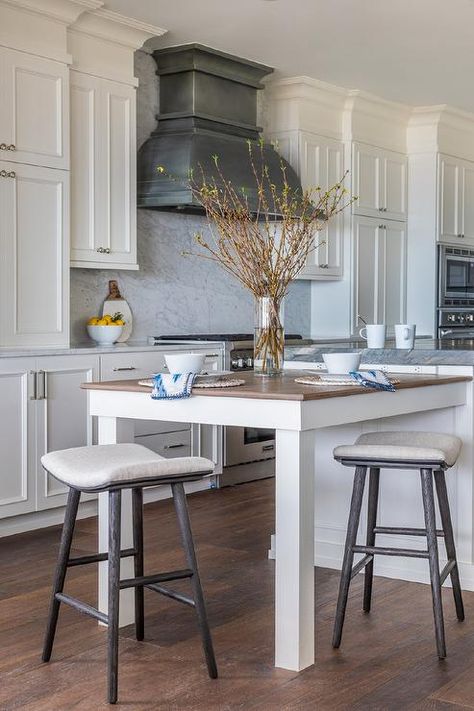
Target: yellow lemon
[(93, 321), (119, 322), (102, 322)]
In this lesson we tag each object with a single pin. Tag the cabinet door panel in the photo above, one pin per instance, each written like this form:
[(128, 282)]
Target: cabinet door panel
[(449, 218), (62, 416), (35, 110), (34, 252), (17, 439), (366, 256), (322, 164), (468, 203), (103, 155), (395, 186), (395, 274), (367, 180), (83, 180)]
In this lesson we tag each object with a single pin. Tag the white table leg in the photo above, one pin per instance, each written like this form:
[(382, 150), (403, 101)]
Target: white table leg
[(110, 431), (294, 567)]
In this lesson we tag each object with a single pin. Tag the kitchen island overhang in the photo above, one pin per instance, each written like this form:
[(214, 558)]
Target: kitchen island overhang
[(296, 412)]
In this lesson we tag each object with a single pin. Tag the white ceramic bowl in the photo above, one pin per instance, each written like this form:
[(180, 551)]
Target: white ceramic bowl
[(104, 335), (341, 363), (185, 362)]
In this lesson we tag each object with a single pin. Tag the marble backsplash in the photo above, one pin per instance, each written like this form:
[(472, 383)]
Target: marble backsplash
[(172, 293)]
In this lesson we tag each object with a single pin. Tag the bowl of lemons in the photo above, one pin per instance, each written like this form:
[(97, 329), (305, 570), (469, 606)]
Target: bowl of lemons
[(105, 330)]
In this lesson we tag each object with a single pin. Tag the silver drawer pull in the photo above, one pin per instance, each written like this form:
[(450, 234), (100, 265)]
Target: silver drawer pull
[(126, 367), (173, 446), (268, 448)]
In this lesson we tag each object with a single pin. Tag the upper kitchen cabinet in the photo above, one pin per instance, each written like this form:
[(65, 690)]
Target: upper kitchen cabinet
[(103, 173), (34, 255), (379, 271), (34, 116), (321, 164), (103, 139), (379, 180), (456, 200)]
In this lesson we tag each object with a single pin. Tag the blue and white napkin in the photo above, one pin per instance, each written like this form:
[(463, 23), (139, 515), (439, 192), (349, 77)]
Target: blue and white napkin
[(172, 386), (374, 379)]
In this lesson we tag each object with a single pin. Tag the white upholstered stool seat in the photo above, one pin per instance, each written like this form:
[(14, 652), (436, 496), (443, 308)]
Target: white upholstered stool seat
[(108, 465), (404, 447)]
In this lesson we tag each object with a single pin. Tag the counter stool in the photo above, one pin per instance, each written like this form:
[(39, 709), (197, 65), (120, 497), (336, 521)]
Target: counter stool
[(112, 468), (432, 454)]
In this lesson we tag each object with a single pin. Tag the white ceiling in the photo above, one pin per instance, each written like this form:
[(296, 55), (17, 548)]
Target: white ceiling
[(414, 51)]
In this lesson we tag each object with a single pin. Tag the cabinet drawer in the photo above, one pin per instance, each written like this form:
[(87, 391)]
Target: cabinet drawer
[(172, 444), (131, 366)]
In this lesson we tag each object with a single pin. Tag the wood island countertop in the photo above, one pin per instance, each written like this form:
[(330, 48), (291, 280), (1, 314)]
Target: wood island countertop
[(284, 387)]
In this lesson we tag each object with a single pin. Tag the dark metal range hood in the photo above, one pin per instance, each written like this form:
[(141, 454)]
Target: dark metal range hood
[(208, 106)]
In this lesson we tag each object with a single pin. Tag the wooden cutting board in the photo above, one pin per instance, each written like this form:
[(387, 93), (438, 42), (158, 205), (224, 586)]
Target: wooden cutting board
[(115, 302)]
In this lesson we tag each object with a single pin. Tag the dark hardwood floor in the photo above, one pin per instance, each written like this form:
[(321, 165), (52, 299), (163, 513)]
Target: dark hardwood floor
[(387, 659)]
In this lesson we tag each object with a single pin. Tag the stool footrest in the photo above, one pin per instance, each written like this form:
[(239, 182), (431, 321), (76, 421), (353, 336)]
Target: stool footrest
[(172, 594), (145, 580), (82, 607), (361, 564), (404, 531), (98, 557), (378, 550), (446, 570)]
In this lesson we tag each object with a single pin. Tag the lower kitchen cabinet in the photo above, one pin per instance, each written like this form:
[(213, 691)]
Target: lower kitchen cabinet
[(17, 437), (379, 271), (42, 408), (61, 417)]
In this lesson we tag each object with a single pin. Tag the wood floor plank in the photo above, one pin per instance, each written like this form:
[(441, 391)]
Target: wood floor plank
[(387, 660)]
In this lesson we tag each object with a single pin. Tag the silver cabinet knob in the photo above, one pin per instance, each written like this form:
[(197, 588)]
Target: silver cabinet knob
[(3, 173), (11, 174), (11, 147), (103, 250), (3, 146)]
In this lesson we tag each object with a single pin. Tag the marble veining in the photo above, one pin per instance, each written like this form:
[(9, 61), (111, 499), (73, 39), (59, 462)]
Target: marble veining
[(171, 293)]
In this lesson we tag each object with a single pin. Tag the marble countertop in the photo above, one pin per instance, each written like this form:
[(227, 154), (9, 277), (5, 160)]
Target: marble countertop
[(426, 351), (88, 348)]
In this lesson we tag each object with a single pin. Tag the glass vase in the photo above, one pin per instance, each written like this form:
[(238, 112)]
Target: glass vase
[(269, 336)]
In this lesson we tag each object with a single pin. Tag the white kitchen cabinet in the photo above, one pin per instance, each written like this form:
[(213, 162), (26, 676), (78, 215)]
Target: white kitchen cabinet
[(379, 180), (17, 433), (318, 161), (103, 173), (61, 417), (456, 200), (379, 271), (34, 111), (34, 255), (321, 163)]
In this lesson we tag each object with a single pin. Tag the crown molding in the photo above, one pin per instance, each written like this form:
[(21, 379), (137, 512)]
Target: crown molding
[(116, 28), (63, 11)]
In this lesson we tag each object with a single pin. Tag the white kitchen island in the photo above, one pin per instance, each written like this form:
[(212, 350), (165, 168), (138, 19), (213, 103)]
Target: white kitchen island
[(297, 413)]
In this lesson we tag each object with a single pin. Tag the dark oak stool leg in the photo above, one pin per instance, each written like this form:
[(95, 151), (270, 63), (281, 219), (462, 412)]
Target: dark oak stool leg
[(115, 501), (179, 498), (430, 524), (371, 523), (61, 568), (137, 499), (441, 490), (351, 536)]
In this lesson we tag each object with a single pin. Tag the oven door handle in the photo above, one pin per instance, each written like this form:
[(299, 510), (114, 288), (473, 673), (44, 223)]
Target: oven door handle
[(268, 448)]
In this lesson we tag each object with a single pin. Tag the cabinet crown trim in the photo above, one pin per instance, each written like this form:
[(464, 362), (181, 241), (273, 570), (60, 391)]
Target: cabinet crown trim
[(64, 11), (114, 27)]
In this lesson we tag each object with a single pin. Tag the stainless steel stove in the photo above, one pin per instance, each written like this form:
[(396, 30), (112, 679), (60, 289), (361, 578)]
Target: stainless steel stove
[(249, 452)]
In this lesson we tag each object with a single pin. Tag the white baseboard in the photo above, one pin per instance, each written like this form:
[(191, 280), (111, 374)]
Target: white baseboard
[(53, 517), (414, 570)]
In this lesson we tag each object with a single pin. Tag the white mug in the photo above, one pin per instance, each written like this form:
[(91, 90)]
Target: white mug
[(374, 335), (404, 335)]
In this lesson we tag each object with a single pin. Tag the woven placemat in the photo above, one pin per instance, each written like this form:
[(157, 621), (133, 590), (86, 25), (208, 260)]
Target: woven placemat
[(317, 380), (224, 383)]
